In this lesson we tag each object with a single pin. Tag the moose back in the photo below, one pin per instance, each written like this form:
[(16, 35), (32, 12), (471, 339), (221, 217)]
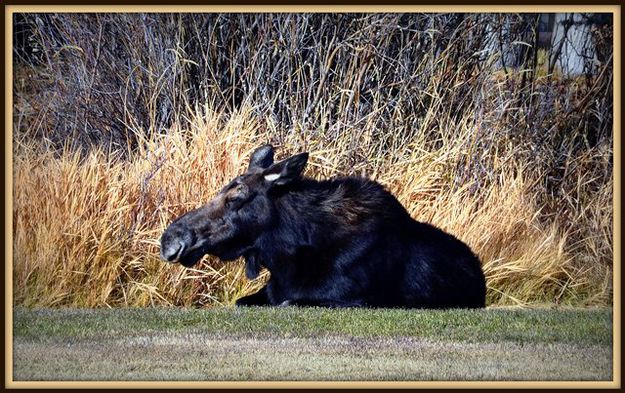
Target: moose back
[(343, 242)]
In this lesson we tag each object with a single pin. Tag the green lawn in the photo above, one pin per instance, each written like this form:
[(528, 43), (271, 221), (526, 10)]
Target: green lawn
[(312, 344)]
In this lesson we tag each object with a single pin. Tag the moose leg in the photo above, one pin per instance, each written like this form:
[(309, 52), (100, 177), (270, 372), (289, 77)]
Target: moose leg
[(257, 299), (333, 303)]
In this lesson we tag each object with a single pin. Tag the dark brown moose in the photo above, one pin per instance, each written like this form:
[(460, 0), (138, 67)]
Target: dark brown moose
[(343, 242)]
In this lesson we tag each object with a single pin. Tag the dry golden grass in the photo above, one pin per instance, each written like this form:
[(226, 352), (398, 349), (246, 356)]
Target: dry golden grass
[(86, 228)]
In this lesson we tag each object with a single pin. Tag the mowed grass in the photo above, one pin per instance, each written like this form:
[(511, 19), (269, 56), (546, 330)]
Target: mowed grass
[(312, 344)]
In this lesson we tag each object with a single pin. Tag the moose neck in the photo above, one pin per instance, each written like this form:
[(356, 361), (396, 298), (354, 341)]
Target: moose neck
[(300, 212), (323, 216)]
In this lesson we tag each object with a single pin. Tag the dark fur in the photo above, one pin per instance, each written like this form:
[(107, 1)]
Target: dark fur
[(339, 242)]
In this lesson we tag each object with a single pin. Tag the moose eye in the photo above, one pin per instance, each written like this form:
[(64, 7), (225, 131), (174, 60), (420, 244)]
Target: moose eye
[(237, 196), (241, 189)]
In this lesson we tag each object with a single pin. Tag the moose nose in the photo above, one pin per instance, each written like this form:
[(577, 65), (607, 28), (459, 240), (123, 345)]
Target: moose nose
[(176, 241), (171, 252)]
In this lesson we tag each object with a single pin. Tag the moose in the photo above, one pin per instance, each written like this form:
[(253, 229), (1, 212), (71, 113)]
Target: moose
[(342, 242)]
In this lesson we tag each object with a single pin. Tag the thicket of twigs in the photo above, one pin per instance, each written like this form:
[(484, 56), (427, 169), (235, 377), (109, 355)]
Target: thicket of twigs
[(123, 121)]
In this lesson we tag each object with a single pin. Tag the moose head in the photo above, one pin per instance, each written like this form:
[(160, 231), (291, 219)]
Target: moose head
[(228, 226)]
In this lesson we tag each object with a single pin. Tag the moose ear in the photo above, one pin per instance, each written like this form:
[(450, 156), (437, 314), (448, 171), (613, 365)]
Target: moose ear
[(287, 170), (261, 158)]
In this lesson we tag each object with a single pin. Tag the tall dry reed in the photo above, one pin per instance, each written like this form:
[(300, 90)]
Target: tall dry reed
[(87, 227)]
